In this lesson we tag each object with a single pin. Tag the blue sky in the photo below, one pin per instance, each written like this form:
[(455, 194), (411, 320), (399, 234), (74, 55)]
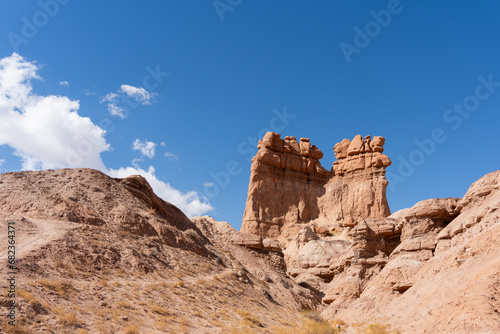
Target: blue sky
[(199, 82)]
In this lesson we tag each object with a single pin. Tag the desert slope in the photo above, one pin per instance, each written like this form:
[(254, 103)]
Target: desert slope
[(103, 255)]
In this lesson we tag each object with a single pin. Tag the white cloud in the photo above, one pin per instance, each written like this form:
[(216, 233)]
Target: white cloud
[(171, 156), (163, 144), (208, 184), (189, 202), (64, 83), (138, 94), (113, 108), (47, 132), (110, 97), (44, 131), (135, 162), (147, 148)]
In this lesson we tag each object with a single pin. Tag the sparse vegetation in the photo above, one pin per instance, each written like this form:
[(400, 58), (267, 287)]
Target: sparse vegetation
[(248, 319), (62, 288), (191, 233), (374, 329), (131, 329), (68, 318), (160, 310)]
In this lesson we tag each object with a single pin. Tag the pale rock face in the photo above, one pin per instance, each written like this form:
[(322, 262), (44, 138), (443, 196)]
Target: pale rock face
[(440, 278), (437, 209), (289, 187)]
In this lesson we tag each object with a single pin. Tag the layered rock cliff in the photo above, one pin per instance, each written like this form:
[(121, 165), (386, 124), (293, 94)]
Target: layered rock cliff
[(289, 187)]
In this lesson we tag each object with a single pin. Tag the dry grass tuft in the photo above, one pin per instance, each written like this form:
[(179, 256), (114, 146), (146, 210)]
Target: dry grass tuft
[(190, 233), (377, 329), (62, 288), (68, 319), (313, 324), (131, 329), (249, 320), (160, 310)]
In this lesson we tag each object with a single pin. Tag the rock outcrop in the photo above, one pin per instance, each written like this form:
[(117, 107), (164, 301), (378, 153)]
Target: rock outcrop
[(289, 187), (440, 272)]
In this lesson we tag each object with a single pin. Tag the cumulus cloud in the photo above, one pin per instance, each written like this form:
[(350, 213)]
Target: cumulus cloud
[(138, 94), (112, 100), (110, 97), (44, 131), (115, 110), (147, 148), (189, 202), (47, 132), (64, 83)]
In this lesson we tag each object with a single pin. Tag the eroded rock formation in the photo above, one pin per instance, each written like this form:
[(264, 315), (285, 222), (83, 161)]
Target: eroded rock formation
[(289, 187)]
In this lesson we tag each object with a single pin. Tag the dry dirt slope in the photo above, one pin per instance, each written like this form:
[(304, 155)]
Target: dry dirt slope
[(103, 255)]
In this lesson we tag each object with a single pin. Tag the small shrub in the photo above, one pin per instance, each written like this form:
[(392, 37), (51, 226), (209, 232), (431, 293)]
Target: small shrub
[(160, 310), (312, 314), (339, 322), (317, 327), (68, 319), (191, 233), (315, 324), (248, 319), (131, 329), (61, 288), (376, 329)]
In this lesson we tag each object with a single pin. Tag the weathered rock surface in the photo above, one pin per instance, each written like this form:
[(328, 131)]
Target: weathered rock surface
[(87, 242), (88, 196), (442, 276), (289, 187), (440, 210)]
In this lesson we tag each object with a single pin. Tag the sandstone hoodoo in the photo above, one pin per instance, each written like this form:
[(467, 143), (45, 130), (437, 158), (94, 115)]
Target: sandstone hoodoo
[(289, 187)]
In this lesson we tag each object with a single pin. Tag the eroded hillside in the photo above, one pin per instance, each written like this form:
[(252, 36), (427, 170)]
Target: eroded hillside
[(103, 255)]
